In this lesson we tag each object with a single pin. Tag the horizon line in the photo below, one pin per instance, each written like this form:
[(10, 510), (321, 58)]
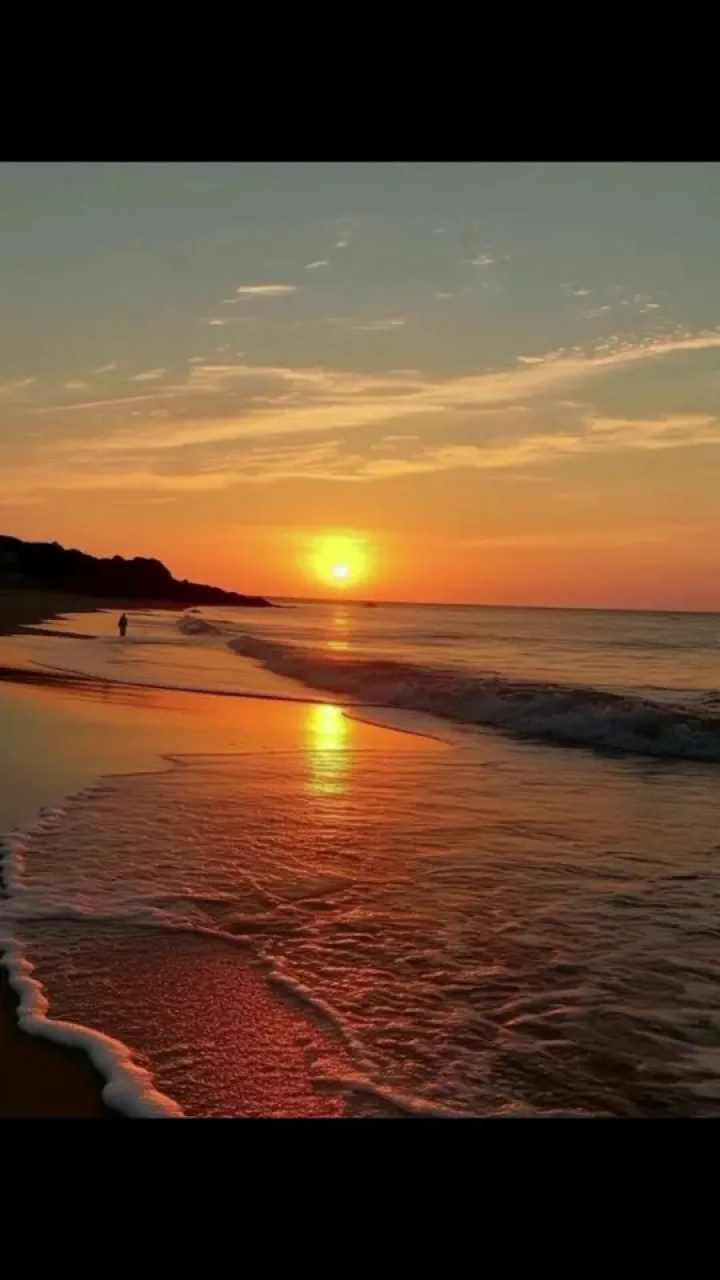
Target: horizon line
[(467, 604)]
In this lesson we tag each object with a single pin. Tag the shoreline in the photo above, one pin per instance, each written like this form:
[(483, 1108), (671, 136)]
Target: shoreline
[(42, 1080), (26, 607), (39, 1078)]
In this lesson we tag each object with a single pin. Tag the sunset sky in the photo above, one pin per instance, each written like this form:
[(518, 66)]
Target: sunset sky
[(490, 383)]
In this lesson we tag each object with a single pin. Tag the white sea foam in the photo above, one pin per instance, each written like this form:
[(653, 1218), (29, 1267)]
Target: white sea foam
[(129, 1089), (477, 950), (193, 626)]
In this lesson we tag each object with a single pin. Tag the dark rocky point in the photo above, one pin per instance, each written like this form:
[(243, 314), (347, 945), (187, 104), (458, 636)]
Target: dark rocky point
[(48, 566)]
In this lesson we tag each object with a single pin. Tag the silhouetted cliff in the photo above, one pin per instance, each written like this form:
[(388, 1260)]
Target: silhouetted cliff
[(48, 566)]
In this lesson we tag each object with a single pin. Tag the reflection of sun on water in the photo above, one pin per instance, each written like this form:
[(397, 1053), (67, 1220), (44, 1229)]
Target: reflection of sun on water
[(328, 739), (340, 624)]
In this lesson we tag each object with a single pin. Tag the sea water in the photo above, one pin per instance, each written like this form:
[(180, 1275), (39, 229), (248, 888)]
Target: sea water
[(518, 917)]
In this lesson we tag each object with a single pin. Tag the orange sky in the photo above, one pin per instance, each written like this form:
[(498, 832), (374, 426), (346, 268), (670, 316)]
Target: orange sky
[(498, 382)]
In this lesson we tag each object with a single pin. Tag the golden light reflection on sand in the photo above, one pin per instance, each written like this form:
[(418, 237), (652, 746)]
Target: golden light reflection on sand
[(328, 741)]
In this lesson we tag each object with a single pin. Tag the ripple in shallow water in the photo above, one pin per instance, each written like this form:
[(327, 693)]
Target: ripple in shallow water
[(522, 936)]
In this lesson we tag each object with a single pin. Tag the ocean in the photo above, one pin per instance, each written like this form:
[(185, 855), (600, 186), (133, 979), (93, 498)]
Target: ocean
[(396, 860)]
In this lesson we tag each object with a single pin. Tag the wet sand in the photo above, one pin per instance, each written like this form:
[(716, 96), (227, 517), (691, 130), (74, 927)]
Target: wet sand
[(107, 730), (38, 1078), (20, 609)]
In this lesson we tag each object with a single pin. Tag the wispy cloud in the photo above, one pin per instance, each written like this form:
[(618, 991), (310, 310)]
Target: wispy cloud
[(16, 385), (75, 384), (150, 375), (110, 367), (109, 403), (217, 322), (234, 402), (230, 423), (482, 260), (278, 459), (313, 266), (379, 326), (265, 290)]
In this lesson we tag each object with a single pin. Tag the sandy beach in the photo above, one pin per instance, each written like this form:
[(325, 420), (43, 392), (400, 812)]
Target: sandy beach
[(114, 731), (20, 609), (42, 1080), (38, 1078), (29, 608)]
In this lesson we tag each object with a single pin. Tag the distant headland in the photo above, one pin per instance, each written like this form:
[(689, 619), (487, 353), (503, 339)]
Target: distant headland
[(47, 566)]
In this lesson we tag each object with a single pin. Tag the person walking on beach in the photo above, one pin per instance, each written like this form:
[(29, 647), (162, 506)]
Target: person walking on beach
[(122, 625)]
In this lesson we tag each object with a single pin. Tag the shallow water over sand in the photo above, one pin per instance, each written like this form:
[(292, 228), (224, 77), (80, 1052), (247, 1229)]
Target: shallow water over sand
[(334, 918)]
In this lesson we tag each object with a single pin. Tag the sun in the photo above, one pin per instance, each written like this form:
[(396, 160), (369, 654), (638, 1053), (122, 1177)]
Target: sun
[(339, 560)]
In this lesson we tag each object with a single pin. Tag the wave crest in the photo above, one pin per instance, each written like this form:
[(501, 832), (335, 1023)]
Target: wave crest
[(564, 714), (194, 626)]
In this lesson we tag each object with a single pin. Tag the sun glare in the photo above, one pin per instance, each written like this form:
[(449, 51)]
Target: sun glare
[(339, 560)]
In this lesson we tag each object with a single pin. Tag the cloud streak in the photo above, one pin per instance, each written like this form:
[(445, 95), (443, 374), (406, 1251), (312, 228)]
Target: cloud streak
[(266, 290), (150, 375), (221, 402), (379, 326), (267, 462), (234, 423), (109, 403), (16, 385)]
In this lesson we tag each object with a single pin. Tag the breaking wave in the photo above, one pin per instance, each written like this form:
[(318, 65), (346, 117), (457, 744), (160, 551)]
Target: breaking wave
[(564, 714), (196, 626)]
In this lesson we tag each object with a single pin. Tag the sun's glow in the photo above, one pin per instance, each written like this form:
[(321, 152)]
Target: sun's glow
[(340, 560)]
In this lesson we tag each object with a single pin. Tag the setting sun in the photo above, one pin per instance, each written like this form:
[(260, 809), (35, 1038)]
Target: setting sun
[(339, 559)]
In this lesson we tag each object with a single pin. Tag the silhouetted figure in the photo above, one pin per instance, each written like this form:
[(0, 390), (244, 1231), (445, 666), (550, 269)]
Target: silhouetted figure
[(123, 625)]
